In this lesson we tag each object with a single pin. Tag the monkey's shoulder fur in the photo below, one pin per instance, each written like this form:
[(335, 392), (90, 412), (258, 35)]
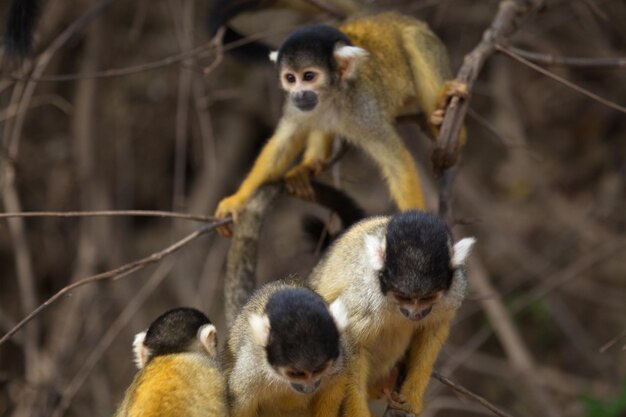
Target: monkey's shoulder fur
[(183, 384)]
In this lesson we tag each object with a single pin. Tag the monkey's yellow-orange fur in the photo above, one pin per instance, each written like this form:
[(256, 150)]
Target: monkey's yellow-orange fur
[(177, 385), (379, 337), (406, 69)]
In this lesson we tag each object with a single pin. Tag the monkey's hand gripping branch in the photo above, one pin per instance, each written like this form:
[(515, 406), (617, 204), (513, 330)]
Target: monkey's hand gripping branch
[(298, 179)]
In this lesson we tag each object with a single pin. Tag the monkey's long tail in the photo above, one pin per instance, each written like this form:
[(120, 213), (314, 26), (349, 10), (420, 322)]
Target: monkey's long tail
[(20, 26), (241, 260), (221, 13)]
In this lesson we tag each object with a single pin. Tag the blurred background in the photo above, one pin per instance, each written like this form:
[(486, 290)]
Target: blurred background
[(136, 110)]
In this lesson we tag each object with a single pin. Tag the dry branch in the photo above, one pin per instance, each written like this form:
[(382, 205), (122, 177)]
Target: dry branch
[(510, 15), (565, 61), (508, 52), (117, 273), (460, 389), (111, 213)]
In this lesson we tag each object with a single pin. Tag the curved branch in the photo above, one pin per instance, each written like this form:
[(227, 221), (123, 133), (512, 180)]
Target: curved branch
[(566, 61), (117, 273)]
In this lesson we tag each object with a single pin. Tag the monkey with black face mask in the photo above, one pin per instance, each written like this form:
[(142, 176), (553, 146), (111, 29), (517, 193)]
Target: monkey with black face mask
[(401, 280)]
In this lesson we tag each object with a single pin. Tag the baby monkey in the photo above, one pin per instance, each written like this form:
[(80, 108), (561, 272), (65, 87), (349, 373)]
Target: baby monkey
[(179, 374), (352, 81), (401, 281), (285, 354)]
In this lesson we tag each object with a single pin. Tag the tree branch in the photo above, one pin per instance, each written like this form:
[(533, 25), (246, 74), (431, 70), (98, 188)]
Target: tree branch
[(111, 213), (118, 273), (508, 52), (549, 59), (510, 15), (462, 390)]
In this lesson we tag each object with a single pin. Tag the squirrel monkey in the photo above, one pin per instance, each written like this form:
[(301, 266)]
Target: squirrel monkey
[(285, 354), (401, 281), (351, 82), (179, 374)]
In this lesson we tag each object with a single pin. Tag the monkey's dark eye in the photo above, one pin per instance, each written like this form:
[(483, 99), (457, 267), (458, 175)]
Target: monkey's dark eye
[(429, 298), (308, 76), (290, 78), (295, 374), (402, 298)]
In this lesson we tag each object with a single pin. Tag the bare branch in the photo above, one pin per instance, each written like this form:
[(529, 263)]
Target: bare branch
[(612, 342), (508, 52), (199, 51), (462, 390), (549, 59), (111, 213), (118, 273), (446, 153), (510, 15)]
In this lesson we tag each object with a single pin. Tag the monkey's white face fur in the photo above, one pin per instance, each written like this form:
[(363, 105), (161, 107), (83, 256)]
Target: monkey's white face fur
[(308, 85)]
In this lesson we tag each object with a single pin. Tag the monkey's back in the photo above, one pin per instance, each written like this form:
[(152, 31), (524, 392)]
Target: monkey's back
[(343, 260), (385, 36), (183, 384)]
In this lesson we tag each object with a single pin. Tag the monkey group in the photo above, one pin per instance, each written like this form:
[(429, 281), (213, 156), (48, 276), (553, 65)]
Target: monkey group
[(371, 317)]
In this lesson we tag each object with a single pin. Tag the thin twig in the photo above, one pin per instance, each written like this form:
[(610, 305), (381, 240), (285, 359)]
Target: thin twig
[(508, 52), (154, 65), (111, 213), (460, 389), (612, 342), (118, 273), (549, 59), (570, 272)]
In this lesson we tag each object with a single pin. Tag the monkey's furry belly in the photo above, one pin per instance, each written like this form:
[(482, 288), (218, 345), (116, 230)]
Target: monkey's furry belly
[(387, 346)]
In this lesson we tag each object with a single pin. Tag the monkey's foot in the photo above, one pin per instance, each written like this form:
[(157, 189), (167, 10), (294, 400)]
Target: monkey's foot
[(394, 399), (451, 88), (298, 181), (229, 206)]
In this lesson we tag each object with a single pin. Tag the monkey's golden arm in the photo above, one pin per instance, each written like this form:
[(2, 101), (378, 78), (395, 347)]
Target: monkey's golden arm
[(397, 166), (317, 152), (270, 165), (430, 67), (328, 400), (356, 392), (423, 352)]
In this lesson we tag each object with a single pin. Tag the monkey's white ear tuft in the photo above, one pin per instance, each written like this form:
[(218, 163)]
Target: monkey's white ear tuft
[(208, 337), (461, 251), (274, 56), (260, 329), (375, 251), (349, 59), (339, 314), (140, 351)]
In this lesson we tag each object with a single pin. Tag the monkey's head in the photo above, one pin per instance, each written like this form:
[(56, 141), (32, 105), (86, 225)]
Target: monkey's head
[(416, 261), (176, 331), (301, 336), (314, 60)]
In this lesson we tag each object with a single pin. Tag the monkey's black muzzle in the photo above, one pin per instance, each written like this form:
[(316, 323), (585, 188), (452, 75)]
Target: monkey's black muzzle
[(306, 388), (415, 315), (304, 100)]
